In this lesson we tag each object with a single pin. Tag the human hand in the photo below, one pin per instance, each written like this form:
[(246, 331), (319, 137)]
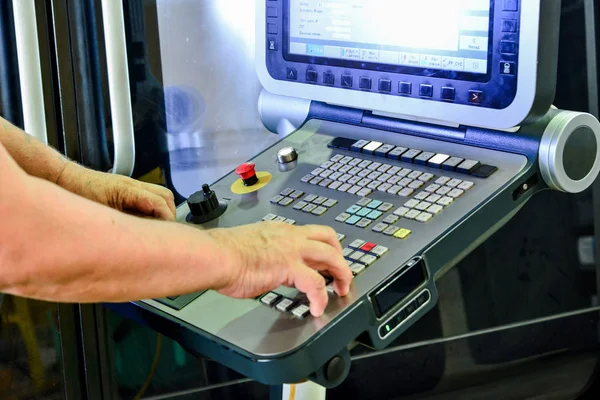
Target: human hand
[(267, 255), (119, 192)]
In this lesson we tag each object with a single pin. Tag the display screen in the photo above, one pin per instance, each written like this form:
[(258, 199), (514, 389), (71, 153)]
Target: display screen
[(447, 35), (401, 286)]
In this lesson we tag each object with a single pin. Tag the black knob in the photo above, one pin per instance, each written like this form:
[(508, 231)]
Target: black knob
[(205, 206)]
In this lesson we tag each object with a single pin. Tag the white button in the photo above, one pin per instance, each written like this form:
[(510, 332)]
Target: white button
[(346, 160), (269, 298), (374, 175), (357, 244), (347, 251), (438, 159), (422, 195), (454, 183), (394, 179), (345, 178), (374, 166), (374, 185), (405, 182), (344, 187), (364, 192), (364, 202), (456, 193), (353, 189), (423, 206), (391, 219), (368, 260), (411, 204), (284, 304), (327, 164), (316, 180), (424, 217), (335, 175), (279, 219), (357, 255), (416, 184), (317, 171), (466, 185), (415, 174), (406, 192), (355, 162), (371, 147), (364, 173), (335, 185), (319, 211), (337, 157), (345, 169), (442, 180), (384, 177), (404, 172), (340, 236), (330, 203), (290, 221), (426, 177), (443, 190), (326, 173), (276, 199), (433, 198), (309, 208), (394, 189), (325, 182), (394, 170), (300, 205), (301, 311), (269, 217), (445, 201), (401, 212), (384, 187), (354, 180), (379, 250), (435, 209), (432, 188), (336, 166), (364, 182), (306, 178), (380, 227), (364, 164), (384, 167), (357, 268), (412, 214)]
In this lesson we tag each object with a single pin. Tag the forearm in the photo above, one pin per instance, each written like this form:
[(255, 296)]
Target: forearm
[(31, 155), (59, 247)]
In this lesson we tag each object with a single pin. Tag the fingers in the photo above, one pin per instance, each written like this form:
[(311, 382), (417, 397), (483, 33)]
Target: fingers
[(162, 192), (324, 258), (149, 204), (311, 283), (322, 234)]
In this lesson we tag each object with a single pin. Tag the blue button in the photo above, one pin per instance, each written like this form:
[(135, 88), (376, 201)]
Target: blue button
[(272, 29), (374, 204), (363, 212), (426, 91), (292, 74), (448, 93), (328, 78), (374, 215), (507, 68), (353, 220), (311, 76), (509, 25), (405, 88), (272, 12), (365, 83), (385, 85), (347, 81), (508, 47), (511, 5), (353, 209), (475, 96)]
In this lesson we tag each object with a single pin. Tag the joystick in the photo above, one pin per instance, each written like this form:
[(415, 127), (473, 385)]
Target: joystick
[(205, 206)]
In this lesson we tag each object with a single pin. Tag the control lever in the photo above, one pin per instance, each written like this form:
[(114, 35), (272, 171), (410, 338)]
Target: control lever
[(205, 206)]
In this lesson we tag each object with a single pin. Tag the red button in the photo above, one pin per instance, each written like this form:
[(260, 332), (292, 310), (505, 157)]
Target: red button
[(368, 247), (246, 170)]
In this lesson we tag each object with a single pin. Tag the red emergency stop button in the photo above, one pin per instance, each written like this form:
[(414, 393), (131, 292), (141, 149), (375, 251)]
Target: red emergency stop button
[(247, 173)]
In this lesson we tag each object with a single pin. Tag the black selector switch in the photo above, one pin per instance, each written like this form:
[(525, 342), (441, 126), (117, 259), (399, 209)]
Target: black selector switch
[(205, 206)]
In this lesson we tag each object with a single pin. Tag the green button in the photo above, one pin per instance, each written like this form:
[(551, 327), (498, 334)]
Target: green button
[(374, 204), (353, 220), (353, 209), (374, 215), (363, 212)]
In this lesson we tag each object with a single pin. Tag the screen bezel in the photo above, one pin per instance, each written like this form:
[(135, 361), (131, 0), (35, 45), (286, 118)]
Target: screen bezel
[(396, 69)]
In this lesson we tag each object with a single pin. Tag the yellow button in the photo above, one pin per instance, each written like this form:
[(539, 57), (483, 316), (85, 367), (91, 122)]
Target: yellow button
[(402, 233)]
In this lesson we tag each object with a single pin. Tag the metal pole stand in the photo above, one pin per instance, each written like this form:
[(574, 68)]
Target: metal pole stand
[(304, 391)]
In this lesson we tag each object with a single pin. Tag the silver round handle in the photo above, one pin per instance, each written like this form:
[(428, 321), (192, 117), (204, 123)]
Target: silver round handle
[(287, 155)]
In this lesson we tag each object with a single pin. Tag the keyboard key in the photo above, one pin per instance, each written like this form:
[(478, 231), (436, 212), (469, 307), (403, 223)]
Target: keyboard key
[(404, 172), (286, 192), (384, 150), (344, 187), (466, 185), (355, 162), (345, 169), (326, 173), (432, 188), (336, 167), (416, 184), (452, 163), (337, 158), (484, 171), (347, 251), (340, 236), (357, 268), (424, 217), (435, 209), (347, 159), (371, 147), (423, 158), (286, 201), (422, 206), (415, 174), (454, 183), (357, 244), (391, 230), (285, 305), (279, 219), (406, 192), (368, 247), (363, 223), (405, 182), (270, 298), (397, 152), (319, 200), (335, 185), (345, 178), (319, 210), (364, 192), (325, 182), (394, 170), (276, 199), (301, 311), (309, 208), (307, 178), (374, 175), (374, 214), (456, 193), (357, 255), (422, 195), (363, 212), (354, 180), (380, 227), (385, 207), (468, 166), (384, 168), (364, 173), (443, 190), (384, 177), (364, 163), (445, 201), (374, 166), (353, 209), (401, 212), (391, 219), (300, 205), (412, 214), (411, 203), (269, 217), (290, 221), (437, 160), (317, 171), (394, 189), (368, 260), (358, 146), (402, 233), (297, 194), (442, 180), (364, 182), (316, 180), (379, 251), (353, 220), (410, 155), (384, 187), (433, 198), (426, 177), (330, 203), (374, 185), (327, 164), (310, 198)]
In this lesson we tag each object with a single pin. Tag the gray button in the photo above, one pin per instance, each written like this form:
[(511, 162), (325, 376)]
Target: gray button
[(380, 227), (424, 157), (355, 170), (391, 219), (384, 167), (306, 178), (285, 305), (401, 212), (326, 164), (385, 207), (357, 268), (364, 192), (335, 185), (300, 205), (403, 173), (452, 163), (335, 175), (315, 180), (379, 251), (432, 188), (355, 162), (422, 196), (384, 177), (344, 178), (286, 201), (394, 170), (426, 177), (424, 217), (345, 187), (340, 236), (325, 182), (276, 199), (357, 255), (290, 221), (364, 163), (297, 194), (406, 192), (270, 298), (319, 210), (319, 200), (374, 166), (354, 180), (412, 214), (405, 182), (445, 201), (374, 175), (364, 173), (443, 190), (442, 180), (384, 187), (326, 173), (336, 166), (347, 251), (346, 159), (391, 230), (337, 158), (416, 184), (279, 219), (364, 182), (317, 171), (456, 193), (363, 223), (368, 260), (330, 203), (310, 198), (301, 311), (353, 189), (345, 169), (357, 244), (309, 208), (364, 202), (411, 203), (286, 192), (394, 179), (374, 185), (415, 174), (394, 189), (269, 217), (454, 183), (422, 206)]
